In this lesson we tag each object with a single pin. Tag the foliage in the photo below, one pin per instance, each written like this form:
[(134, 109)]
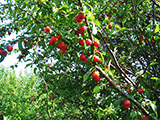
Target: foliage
[(16, 93), (129, 36)]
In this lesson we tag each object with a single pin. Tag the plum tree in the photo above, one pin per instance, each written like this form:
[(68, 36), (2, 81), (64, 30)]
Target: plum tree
[(129, 47)]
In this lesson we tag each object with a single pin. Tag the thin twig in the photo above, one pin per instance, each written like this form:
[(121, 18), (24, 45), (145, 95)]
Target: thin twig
[(46, 88), (31, 15), (43, 6), (47, 94)]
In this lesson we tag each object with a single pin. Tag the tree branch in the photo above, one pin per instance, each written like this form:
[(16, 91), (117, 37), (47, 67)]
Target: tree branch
[(155, 3), (31, 15), (88, 29), (46, 87), (129, 81), (125, 95)]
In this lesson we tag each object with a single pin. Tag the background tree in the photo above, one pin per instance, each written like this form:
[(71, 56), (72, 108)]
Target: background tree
[(18, 94), (100, 58)]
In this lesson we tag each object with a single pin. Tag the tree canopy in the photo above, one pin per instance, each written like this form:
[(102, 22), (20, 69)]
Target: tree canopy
[(96, 59)]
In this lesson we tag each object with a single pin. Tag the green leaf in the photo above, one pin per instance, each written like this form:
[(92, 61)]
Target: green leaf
[(35, 69), (157, 28), (139, 73), (118, 27), (155, 78), (28, 60), (64, 6), (147, 93), (57, 2), (96, 89), (34, 28), (153, 63), (124, 28), (102, 57), (20, 45), (86, 76), (117, 102), (142, 83), (141, 11), (131, 97), (121, 58), (2, 57), (154, 107), (42, 43), (90, 15), (133, 114), (97, 23), (28, 65)]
